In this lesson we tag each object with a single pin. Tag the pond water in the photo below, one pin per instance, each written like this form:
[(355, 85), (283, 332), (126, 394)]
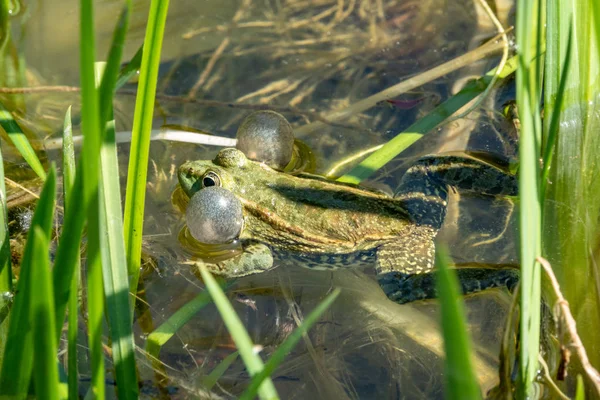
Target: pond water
[(305, 59)]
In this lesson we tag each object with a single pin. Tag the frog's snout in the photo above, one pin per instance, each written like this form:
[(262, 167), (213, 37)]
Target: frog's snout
[(187, 178)]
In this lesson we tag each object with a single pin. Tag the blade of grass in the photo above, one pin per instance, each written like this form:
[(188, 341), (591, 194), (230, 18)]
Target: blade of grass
[(595, 11), (113, 64), (528, 100), (288, 345), (5, 255), (68, 182), (461, 382), (5, 263), (94, 121), (211, 379), (580, 391), (92, 129), (16, 135), (140, 143), (18, 355), (572, 204), (114, 269), (95, 299), (165, 332), (112, 278), (131, 69), (239, 334), (45, 368), (414, 132), (68, 250), (67, 254), (68, 157), (4, 28), (555, 111)]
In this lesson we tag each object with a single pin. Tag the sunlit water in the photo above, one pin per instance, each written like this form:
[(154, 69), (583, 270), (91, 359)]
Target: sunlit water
[(299, 57)]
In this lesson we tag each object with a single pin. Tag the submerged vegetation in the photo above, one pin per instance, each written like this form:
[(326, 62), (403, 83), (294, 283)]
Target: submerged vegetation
[(97, 266)]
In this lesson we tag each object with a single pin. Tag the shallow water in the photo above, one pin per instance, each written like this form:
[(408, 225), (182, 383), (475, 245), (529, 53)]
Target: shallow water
[(224, 59)]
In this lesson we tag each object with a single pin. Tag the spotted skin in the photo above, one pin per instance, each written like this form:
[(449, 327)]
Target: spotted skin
[(327, 225)]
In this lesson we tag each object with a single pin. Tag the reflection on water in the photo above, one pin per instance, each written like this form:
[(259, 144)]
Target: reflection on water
[(303, 58)]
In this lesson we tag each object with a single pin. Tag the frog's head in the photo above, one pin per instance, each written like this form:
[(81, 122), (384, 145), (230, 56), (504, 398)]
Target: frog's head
[(230, 169)]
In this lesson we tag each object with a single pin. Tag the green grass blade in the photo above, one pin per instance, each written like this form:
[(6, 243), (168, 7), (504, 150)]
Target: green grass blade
[(92, 130), (114, 269), (4, 28), (461, 382), (18, 355), (45, 369), (95, 299), (555, 113), (68, 250), (68, 182), (16, 135), (5, 255), (238, 333), (572, 204), (67, 254), (580, 391), (528, 100), (414, 132), (5, 263), (68, 156), (131, 69), (211, 379), (140, 141), (165, 332), (113, 64), (288, 345), (595, 5)]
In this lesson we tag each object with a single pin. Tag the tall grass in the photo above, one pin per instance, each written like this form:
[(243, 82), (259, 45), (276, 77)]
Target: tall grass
[(572, 205), (140, 142), (459, 373), (6, 287), (562, 196), (73, 328), (18, 358), (530, 20)]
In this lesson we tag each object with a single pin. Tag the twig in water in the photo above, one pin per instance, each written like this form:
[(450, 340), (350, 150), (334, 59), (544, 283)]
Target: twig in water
[(565, 320)]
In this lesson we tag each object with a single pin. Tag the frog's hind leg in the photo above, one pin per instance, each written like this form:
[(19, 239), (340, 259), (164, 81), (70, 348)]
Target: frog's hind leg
[(397, 261), (424, 186), (405, 271), (471, 280)]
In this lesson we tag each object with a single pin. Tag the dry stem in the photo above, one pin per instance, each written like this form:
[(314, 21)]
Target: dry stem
[(567, 322)]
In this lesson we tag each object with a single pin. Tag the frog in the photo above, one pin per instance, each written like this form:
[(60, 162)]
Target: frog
[(325, 225)]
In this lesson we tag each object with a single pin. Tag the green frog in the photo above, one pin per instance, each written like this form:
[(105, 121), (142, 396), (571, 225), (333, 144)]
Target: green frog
[(327, 225)]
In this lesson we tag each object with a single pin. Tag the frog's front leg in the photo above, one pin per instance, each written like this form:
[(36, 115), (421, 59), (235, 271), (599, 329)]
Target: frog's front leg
[(255, 258)]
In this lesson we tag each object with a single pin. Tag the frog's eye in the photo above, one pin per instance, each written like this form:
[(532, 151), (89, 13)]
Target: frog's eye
[(210, 179)]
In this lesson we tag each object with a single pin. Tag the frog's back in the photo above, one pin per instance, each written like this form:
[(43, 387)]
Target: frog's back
[(330, 215)]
